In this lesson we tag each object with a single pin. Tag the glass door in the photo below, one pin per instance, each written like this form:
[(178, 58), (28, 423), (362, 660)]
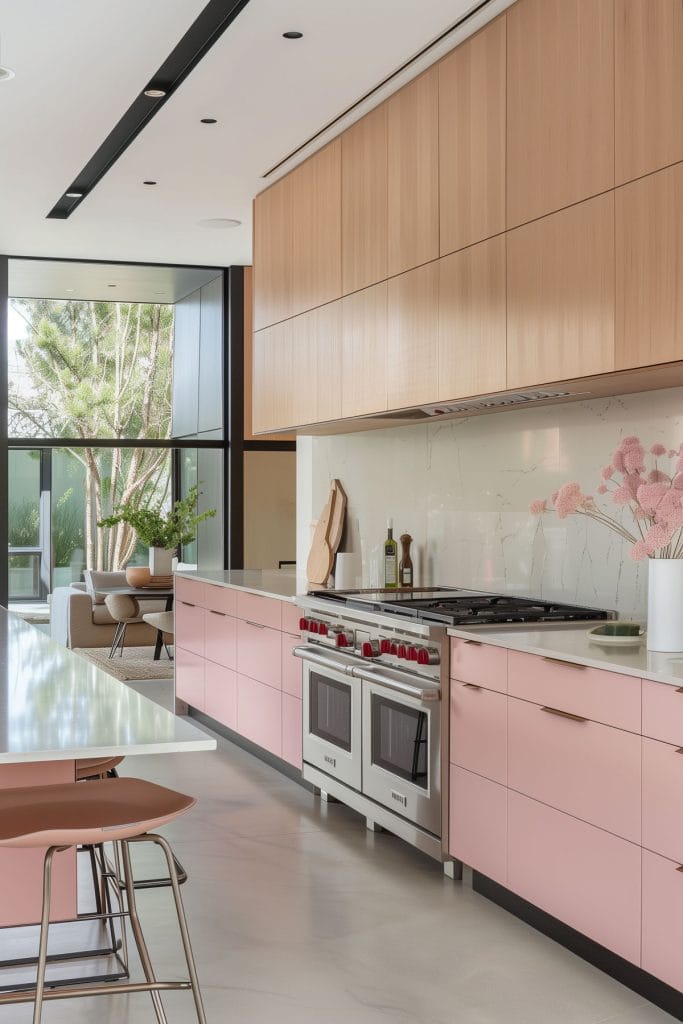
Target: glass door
[(330, 710), (400, 740)]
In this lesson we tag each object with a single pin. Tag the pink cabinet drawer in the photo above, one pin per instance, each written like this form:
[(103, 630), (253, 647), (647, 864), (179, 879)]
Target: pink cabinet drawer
[(292, 669), (586, 769), (189, 678), (602, 696), (191, 591), (478, 823), (264, 610), (580, 874), (663, 712), (220, 694), (662, 788), (189, 627), (292, 728), (662, 919), (259, 714), (259, 653), (290, 617), (473, 662), (220, 638), (220, 599), (479, 730)]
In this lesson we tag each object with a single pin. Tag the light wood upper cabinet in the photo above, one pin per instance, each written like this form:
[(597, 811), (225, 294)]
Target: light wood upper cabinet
[(273, 250), (413, 173), (412, 346), (560, 104), (560, 295), (364, 201), (248, 365), (472, 324), (649, 86), (364, 351), (649, 234), (472, 140)]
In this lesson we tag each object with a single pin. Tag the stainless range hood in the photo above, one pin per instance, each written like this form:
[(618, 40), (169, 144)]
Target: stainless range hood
[(481, 404)]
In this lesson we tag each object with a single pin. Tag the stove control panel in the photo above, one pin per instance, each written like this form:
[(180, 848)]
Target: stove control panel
[(385, 649)]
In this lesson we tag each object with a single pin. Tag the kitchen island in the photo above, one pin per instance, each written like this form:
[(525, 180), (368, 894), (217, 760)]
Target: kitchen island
[(55, 708)]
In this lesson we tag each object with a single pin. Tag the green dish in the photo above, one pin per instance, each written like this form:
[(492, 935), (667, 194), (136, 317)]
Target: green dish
[(626, 633)]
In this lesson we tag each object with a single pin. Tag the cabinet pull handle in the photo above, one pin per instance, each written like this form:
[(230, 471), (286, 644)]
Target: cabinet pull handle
[(680, 869), (474, 643), (214, 612), (679, 689), (256, 625), (564, 714), (561, 661), (679, 750), (472, 686), (188, 604)]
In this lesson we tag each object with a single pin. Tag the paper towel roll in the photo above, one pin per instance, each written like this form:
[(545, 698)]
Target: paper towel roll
[(347, 571)]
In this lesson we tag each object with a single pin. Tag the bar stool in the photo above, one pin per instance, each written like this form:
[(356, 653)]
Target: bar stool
[(164, 624), (97, 768), (121, 811), (123, 609)]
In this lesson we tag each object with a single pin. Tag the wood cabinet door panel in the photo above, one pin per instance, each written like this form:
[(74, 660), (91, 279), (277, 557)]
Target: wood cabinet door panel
[(479, 730), (364, 201), (412, 344), (477, 827), (472, 139), (273, 254), (560, 104), (472, 321), (315, 225), (561, 304), (364, 351), (413, 173)]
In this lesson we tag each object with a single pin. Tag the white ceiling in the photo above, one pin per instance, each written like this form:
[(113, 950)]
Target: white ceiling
[(108, 282), (80, 63)]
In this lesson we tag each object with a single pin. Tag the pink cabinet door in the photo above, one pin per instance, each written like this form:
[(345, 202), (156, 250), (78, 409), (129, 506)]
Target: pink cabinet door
[(663, 919), (479, 730), (264, 610), (292, 668), (292, 728), (220, 599), (191, 591), (189, 678), (290, 617), (662, 789), (663, 712), (588, 770), (189, 627), (483, 664), (220, 638), (259, 653), (477, 827), (259, 714), (601, 696), (220, 694), (580, 874)]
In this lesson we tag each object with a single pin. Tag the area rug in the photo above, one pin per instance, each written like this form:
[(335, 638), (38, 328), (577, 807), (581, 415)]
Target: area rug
[(136, 663)]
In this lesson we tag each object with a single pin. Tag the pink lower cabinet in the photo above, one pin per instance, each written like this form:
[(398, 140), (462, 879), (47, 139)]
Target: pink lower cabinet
[(663, 712), (189, 627), (588, 878), (292, 668), (220, 639), (662, 789), (259, 714), (189, 678), (478, 823), (663, 919), (483, 664), (591, 771), (259, 652), (292, 728), (479, 730), (220, 694), (267, 611)]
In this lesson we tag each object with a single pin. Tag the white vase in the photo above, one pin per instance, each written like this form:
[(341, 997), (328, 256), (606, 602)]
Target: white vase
[(665, 605), (160, 561)]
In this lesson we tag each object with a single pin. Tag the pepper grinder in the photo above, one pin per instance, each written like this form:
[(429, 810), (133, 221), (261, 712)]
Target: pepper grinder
[(405, 569)]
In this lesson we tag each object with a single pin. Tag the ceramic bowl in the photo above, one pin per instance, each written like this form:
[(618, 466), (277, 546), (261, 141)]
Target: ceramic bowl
[(138, 575)]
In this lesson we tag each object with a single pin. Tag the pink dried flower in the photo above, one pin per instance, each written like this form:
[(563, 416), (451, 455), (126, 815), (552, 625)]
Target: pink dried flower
[(618, 461), (622, 495), (639, 551), (538, 506), (553, 497), (658, 536), (630, 442), (670, 503), (677, 482), (602, 489), (607, 472), (655, 476), (634, 459), (650, 496), (674, 518), (569, 499), (672, 453), (658, 449)]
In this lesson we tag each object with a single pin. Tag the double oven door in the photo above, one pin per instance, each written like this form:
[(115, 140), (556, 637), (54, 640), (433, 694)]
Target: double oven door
[(332, 722)]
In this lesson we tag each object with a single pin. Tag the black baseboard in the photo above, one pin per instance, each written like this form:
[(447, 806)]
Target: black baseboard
[(662, 995), (252, 748)]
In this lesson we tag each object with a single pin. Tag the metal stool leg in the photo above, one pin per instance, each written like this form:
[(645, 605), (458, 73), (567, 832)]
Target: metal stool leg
[(44, 930), (137, 931), (115, 641)]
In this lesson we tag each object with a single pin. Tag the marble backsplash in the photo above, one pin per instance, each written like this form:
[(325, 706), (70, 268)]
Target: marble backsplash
[(462, 490)]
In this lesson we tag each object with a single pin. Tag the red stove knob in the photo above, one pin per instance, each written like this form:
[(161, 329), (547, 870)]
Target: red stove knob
[(303, 623), (412, 654), (393, 649), (425, 656), (366, 649), (385, 647), (322, 629), (313, 626), (402, 651), (341, 640)]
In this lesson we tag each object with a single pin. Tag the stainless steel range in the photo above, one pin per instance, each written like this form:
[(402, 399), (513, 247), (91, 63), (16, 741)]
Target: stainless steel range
[(375, 682)]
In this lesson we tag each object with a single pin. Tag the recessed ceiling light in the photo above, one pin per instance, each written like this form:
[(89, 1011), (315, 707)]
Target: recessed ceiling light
[(292, 35), (209, 120), (73, 194), (219, 222), (149, 183), (155, 93), (6, 73)]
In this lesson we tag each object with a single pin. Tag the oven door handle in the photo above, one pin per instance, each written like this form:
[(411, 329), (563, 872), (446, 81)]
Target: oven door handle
[(400, 685), (306, 654)]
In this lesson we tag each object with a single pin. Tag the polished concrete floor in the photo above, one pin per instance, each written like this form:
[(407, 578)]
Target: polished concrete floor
[(299, 915)]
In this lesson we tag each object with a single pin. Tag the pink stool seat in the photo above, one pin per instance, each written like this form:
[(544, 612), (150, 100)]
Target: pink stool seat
[(70, 814), (90, 767)]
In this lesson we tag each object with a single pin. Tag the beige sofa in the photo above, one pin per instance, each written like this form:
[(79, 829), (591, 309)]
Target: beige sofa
[(79, 617)]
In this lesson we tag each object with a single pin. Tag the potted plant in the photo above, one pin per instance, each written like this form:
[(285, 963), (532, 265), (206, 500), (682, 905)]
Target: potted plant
[(160, 530)]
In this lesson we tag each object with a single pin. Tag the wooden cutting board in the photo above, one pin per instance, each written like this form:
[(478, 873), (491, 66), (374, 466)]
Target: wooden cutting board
[(338, 518), (320, 557)]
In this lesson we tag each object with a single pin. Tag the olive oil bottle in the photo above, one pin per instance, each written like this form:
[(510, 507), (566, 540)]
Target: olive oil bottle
[(390, 557)]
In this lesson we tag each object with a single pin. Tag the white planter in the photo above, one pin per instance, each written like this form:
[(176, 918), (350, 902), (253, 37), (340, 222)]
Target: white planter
[(160, 561), (665, 605)]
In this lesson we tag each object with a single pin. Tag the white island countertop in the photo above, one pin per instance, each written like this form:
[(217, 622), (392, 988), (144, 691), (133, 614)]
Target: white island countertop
[(55, 706), (283, 586), (571, 643)]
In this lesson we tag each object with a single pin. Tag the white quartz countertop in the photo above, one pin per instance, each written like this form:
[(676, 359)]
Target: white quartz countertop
[(55, 706), (571, 643), (283, 586)]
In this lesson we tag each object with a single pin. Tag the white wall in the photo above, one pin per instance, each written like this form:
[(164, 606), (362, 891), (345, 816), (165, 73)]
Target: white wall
[(462, 490)]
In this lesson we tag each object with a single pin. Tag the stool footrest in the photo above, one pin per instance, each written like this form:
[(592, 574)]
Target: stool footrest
[(84, 991)]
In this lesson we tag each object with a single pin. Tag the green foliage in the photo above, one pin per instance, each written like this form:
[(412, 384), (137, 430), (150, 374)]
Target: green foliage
[(67, 529), (23, 524), (158, 529)]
